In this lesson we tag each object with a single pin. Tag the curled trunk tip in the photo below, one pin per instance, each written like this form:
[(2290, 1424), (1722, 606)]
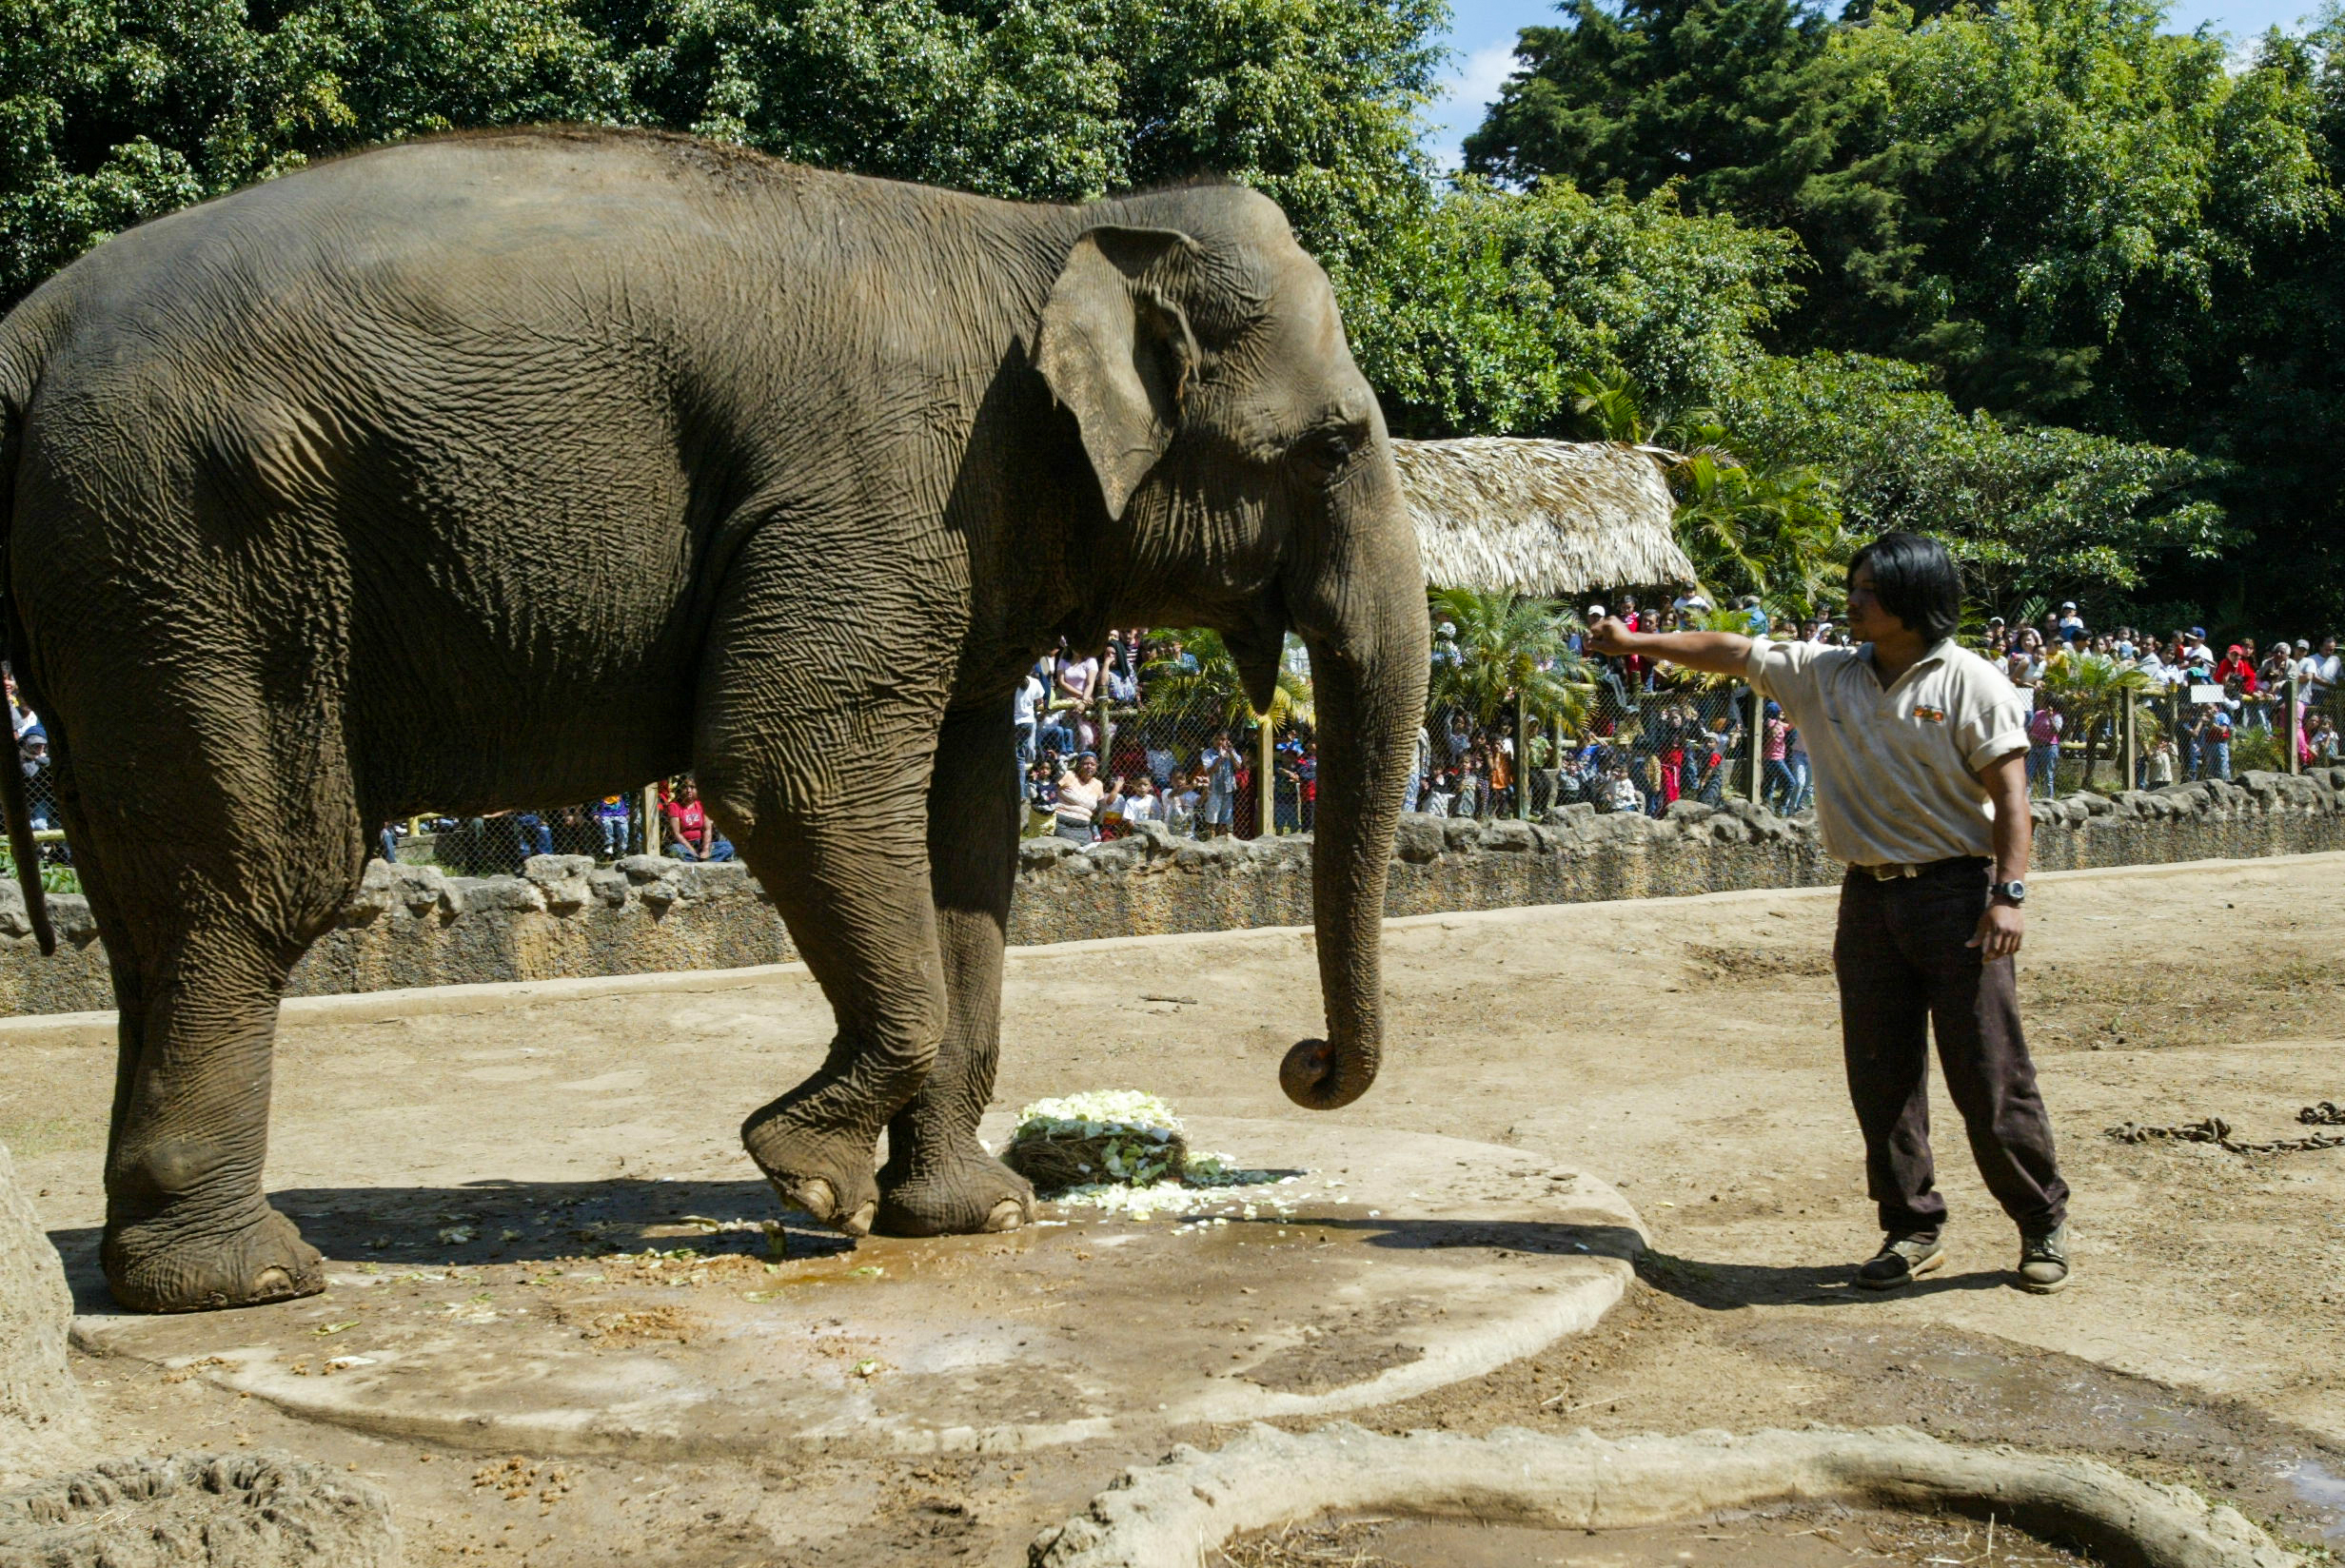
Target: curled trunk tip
[(1314, 1076)]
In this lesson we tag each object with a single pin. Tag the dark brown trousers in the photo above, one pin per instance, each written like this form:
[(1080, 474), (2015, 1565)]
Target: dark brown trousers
[(1904, 965)]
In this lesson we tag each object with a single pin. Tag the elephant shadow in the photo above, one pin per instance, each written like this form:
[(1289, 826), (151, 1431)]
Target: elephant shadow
[(509, 1222)]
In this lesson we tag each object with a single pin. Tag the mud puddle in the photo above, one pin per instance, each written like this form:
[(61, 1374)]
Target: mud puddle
[(1802, 1537)]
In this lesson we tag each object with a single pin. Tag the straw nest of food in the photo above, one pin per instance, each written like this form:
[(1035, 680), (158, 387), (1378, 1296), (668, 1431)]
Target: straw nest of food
[(1113, 1137)]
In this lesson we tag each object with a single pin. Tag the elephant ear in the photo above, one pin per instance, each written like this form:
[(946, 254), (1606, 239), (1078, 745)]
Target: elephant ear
[(1117, 349)]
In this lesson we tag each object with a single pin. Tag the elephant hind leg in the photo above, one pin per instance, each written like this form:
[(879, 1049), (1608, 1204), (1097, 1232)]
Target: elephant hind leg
[(207, 890)]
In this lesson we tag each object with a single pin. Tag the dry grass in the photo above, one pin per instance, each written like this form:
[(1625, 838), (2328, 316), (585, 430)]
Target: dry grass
[(1506, 513)]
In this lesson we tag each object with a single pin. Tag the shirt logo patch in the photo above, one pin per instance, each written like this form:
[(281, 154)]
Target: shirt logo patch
[(1934, 715)]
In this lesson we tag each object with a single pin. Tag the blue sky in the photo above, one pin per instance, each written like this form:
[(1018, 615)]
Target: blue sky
[(1482, 34)]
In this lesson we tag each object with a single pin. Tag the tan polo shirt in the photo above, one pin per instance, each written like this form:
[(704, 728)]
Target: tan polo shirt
[(1895, 769)]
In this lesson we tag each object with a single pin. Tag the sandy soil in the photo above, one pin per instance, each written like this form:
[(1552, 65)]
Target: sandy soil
[(1686, 1050)]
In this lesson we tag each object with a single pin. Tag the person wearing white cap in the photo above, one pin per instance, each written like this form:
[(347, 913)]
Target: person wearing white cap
[(2071, 623)]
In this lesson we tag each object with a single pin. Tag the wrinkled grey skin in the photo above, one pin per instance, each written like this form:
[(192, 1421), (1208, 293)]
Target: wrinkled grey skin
[(532, 466)]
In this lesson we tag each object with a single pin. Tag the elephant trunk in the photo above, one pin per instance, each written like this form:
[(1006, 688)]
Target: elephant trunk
[(1361, 609)]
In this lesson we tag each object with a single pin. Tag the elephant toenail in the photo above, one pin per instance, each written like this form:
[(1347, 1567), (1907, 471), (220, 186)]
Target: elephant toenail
[(1009, 1214), (859, 1222), (813, 1195), (271, 1280)]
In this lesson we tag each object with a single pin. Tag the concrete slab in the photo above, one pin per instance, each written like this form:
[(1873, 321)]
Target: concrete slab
[(1369, 1267)]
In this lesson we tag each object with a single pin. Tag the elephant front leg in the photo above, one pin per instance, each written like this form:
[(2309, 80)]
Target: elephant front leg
[(938, 1179), (863, 922)]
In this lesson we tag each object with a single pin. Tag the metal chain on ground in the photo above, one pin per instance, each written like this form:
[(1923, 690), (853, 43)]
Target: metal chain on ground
[(2213, 1129)]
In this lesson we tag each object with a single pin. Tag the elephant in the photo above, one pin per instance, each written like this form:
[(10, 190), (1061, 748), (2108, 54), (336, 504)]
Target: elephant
[(474, 472)]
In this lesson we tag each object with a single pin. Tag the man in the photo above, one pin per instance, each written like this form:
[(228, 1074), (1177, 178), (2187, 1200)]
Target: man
[(1026, 715), (2319, 672), (1921, 787)]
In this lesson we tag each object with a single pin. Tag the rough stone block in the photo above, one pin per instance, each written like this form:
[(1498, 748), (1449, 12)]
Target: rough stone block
[(44, 1419)]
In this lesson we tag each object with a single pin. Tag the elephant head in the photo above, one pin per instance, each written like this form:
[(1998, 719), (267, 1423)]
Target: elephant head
[(1247, 475)]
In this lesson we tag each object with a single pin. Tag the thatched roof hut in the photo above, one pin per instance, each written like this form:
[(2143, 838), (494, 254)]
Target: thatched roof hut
[(1558, 518)]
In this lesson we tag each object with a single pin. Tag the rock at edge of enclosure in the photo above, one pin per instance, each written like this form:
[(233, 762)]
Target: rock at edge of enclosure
[(256, 1510), (44, 1419)]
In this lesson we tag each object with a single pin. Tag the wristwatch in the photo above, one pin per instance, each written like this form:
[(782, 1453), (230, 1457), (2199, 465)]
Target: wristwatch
[(2016, 892)]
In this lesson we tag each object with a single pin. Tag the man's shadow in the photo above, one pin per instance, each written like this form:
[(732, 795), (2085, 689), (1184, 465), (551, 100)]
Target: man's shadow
[(1725, 1287)]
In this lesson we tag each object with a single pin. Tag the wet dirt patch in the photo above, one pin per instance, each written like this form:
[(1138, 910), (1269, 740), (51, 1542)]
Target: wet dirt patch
[(1339, 1350), (1740, 966), (1823, 1535), (1979, 1388)]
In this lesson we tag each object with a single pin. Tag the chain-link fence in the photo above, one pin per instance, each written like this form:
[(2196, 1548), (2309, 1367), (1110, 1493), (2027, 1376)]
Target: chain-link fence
[(2158, 733), (1158, 730)]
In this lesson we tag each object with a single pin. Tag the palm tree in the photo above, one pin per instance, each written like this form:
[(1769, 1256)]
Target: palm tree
[(1774, 531), (1212, 697), (1507, 649), (1751, 526), (2089, 690)]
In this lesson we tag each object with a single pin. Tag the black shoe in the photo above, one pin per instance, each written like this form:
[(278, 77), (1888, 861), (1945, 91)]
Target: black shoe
[(2044, 1259), (1902, 1259)]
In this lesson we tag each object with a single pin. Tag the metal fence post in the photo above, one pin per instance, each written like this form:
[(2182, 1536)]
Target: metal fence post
[(1522, 756), (1755, 743), (2296, 729), (1265, 787), (2129, 744)]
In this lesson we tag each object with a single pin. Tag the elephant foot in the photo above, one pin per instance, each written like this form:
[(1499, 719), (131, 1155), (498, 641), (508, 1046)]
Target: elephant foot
[(161, 1265), (965, 1192), (826, 1175)]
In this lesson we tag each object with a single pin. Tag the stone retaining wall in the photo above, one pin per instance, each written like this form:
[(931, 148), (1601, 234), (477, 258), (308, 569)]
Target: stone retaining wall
[(413, 926)]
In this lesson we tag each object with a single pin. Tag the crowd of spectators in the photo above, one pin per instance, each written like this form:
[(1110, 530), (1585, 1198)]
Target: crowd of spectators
[(2207, 705), (1111, 740)]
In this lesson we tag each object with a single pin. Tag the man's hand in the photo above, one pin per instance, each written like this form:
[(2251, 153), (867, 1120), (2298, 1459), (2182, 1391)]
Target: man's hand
[(2000, 928), (1609, 636)]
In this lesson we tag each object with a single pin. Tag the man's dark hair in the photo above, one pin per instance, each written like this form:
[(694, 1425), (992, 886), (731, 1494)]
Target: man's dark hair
[(1915, 580)]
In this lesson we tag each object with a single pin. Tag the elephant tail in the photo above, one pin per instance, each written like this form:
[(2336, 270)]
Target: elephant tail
[(18, 369)]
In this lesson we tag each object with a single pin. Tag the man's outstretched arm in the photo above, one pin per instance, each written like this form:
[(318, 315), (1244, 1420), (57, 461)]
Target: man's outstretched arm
[(1712, 653)]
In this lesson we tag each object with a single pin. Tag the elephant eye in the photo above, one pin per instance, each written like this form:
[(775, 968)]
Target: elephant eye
[(1328, 450)]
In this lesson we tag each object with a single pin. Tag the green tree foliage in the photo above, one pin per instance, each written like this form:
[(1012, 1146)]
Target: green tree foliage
[(1474, 316), (2041, 197), (1715, 94), (1213, 695), (2024, 508), (1752, 522), (114, 110), (2089, 690), (2064, 213)]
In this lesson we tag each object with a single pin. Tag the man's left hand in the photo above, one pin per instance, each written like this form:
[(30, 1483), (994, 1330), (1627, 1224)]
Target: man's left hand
[(2000, 929)]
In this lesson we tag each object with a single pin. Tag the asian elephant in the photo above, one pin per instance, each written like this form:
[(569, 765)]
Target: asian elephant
[(522, 466)]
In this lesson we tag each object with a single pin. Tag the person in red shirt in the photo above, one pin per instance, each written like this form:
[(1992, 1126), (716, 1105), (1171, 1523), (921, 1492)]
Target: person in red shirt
[(695, 837), (2235, 662)]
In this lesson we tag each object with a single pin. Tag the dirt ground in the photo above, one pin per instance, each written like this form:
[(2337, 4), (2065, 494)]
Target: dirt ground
[(1684, 1050)]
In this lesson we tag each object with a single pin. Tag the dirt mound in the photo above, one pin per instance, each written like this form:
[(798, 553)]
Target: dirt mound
[(197, 1511), (43, 1418)]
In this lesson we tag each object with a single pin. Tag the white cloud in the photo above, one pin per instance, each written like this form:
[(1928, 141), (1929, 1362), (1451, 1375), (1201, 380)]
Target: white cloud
[(1485, 71), (1471, 88)]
